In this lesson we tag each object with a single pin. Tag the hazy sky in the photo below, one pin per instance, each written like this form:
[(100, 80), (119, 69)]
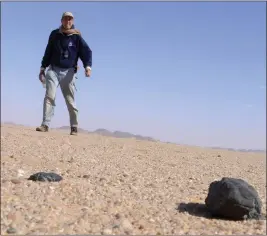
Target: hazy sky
[(191, 73)]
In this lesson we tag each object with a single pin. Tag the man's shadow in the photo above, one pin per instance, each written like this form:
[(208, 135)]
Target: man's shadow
[(195, 209)]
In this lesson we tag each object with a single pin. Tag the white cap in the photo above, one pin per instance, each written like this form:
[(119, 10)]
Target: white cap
[(67, 14)]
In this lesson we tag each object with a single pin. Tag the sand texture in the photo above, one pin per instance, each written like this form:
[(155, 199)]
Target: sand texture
[(117, 186)]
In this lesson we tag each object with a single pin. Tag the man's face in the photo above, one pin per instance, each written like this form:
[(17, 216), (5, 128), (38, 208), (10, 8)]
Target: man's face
[(67, 22)]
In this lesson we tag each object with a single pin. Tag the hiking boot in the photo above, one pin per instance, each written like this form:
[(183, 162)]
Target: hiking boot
[(42, 128), (73, 131)]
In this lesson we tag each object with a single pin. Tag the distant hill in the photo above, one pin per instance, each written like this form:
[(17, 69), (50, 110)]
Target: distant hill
[(8, 123), (116, 134), (241, 150), (103, 132), (120, 134)]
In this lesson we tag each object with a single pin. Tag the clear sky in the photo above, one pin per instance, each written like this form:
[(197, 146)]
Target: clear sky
[(190, 73)]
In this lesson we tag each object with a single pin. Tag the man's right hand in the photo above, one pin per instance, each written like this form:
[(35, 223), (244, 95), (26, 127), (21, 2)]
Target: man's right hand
[(42, 76)]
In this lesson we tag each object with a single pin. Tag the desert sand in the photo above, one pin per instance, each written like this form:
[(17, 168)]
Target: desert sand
[(117, 186)]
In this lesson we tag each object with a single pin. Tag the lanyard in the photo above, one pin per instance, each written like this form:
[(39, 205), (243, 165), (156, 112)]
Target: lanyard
[(63, 49)]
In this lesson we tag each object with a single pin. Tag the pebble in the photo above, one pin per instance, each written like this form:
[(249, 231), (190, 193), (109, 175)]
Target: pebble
[(117, 216), (11, 216), (125, 175), (126, 225), (11, 230), (21, 173), (15, 181), (107, 231)]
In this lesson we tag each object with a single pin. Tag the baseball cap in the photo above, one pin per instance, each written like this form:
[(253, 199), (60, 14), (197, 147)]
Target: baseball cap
[(67, 14)]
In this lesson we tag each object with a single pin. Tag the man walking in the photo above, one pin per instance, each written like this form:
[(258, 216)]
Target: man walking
[(65, 46)]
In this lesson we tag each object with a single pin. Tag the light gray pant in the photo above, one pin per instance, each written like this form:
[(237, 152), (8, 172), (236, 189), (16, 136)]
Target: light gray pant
[(66, 79)]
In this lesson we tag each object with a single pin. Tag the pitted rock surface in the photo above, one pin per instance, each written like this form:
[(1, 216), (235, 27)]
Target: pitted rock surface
[(45, 177), (233, 199)]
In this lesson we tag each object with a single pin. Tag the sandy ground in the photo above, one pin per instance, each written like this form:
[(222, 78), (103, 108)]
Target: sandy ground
[(117, 186)]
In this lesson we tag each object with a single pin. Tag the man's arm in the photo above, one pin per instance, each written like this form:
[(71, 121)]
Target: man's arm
[(85, 53), (48, 53)]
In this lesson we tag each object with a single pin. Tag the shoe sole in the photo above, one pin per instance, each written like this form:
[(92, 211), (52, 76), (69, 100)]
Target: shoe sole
[(42, 130)]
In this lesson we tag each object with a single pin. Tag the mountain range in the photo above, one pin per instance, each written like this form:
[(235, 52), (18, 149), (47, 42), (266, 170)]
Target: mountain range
[(116, 134), (120, 134)]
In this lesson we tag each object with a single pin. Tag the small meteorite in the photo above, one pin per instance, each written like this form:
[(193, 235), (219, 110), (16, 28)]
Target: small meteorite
[(45, 177)]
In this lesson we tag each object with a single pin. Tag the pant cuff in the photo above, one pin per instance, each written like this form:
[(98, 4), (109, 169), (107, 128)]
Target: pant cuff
[(45, 123)]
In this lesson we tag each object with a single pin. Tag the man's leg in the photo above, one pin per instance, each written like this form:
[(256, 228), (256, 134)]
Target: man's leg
[(49, 99), (68, 90)]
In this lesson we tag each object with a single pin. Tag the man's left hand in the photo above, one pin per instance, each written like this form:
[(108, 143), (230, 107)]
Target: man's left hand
[(88, 72)]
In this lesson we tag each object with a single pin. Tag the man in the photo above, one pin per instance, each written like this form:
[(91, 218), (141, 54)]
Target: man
[(65, 46)]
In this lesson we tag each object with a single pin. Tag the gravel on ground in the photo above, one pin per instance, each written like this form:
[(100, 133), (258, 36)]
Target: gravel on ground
[(117, 186)]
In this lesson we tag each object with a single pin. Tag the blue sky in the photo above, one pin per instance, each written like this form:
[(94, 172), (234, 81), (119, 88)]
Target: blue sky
[(191, 73)]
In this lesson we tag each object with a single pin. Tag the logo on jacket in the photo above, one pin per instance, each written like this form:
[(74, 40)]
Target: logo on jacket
[(70, 44)]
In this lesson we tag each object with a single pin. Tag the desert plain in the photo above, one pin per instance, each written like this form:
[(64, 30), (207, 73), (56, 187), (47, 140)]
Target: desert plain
[(116, 186)]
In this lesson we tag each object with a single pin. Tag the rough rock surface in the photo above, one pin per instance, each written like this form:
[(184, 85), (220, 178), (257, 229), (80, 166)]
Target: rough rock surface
[(117, 186), (234, 199), (43, 176)]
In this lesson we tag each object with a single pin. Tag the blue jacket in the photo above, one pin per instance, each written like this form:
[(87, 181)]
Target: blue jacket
[(73, 45)]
